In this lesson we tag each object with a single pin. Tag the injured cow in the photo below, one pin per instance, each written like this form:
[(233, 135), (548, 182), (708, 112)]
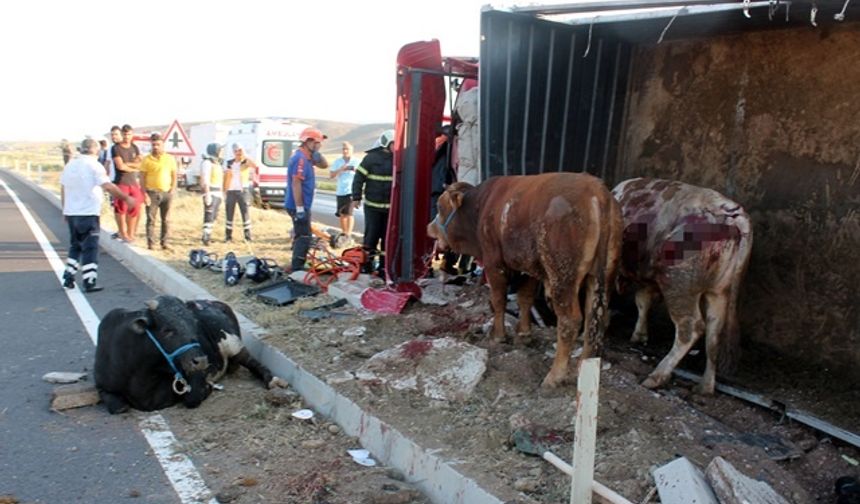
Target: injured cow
[(171, 351), (691, 245), (560, 228)]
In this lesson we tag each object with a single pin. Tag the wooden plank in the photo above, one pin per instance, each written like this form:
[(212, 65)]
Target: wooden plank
[(585, 435), (75, 395), (680, 482), (734, 487), (604, 493)]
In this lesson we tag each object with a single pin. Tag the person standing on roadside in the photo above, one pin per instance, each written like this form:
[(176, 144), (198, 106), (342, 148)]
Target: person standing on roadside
[(81, 185), (343, 169), (301, 182), (241, 171), (66, 150), (126, 161), (104, 156), (159, 181), (211, 182), (372, 182), (115, 138)]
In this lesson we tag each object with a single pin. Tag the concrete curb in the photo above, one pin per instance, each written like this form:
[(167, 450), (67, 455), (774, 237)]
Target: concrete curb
[(429, 473)]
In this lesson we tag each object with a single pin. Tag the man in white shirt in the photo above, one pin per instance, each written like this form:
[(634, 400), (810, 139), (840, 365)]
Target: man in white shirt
[(81, 186)]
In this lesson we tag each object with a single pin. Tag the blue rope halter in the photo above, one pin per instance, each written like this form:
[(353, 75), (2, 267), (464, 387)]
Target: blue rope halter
[(444, 227), (177, 375)]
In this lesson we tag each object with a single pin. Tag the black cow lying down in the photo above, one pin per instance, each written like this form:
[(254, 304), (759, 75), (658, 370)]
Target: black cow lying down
[(172, 351)]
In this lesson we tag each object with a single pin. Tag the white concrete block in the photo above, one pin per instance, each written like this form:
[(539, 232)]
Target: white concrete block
[(680, 482)]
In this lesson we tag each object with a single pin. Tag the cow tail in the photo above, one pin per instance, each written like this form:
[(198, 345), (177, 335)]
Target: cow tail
[(604, 269), (730, 342)]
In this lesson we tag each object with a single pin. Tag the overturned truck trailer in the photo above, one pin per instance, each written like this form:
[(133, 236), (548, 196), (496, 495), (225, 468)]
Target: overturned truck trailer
[(758, 100)]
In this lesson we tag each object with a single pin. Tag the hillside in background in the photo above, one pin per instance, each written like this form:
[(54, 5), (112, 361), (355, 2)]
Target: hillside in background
[(47, 153)]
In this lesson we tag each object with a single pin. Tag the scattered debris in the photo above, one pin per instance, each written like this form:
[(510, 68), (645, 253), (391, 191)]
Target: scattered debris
[(776, 447), (680, 482), (339, 377), (385, 301), (850, 460), (282, 396), (325, 311), (313, 444), (733, 487), (75, 395), (303, 414), (247, 481), (63, 377), (355, 332), (445, 369), (229, 494), (362, 457), (283, 292), (536, 439)]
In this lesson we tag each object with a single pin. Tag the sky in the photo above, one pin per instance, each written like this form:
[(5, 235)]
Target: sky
[(73, 69)]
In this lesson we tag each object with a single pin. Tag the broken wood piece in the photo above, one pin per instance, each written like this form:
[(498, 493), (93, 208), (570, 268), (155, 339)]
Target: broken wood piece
[(76, 395), (680, 482), (733, 487), (63, 377), (585, 431), (600, 490)]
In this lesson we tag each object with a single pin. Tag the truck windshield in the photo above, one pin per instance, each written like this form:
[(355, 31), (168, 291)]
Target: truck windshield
[(276, 153)]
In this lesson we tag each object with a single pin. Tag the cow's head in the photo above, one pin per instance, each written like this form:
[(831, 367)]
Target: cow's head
[(174, 325), (446, 228)]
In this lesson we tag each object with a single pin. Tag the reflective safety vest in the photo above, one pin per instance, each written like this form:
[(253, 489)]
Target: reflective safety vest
[(373, 179), (244, 174)]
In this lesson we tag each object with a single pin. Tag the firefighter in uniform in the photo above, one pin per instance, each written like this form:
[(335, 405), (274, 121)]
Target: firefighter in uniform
[(372, 182)]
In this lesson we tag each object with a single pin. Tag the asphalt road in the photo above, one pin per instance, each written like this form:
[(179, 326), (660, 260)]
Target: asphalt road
[(82, 455), (323, 211)]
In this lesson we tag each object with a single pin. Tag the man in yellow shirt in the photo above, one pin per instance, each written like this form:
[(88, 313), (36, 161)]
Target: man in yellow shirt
[(159, 181)]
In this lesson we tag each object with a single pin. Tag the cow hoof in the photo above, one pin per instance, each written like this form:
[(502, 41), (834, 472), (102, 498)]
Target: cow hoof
[(702, 389), (523, 339), (653, 382), (639, 338), (551, 381), (277, 382)]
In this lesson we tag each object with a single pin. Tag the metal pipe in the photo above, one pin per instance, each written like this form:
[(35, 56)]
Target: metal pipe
[(613, 5), (610, 114), (527, 111), (546, 100), (566, 101), (408, 176), (507, 100), (591, 113)]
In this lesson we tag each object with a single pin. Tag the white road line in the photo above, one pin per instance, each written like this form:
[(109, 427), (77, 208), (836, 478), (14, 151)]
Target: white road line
[(178, 468)]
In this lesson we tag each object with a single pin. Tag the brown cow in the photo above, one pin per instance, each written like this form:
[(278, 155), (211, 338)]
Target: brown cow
[(562, 228), (691, 245)]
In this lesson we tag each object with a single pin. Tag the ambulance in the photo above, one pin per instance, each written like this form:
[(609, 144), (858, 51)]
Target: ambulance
[(270, 143)]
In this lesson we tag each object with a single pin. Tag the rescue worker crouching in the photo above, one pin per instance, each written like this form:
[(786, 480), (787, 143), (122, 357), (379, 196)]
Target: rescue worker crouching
[(372, 182)]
